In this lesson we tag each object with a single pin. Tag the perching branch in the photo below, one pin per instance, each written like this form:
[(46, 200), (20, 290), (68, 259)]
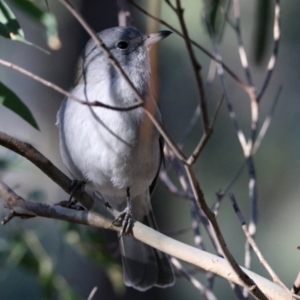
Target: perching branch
[(145, 234)]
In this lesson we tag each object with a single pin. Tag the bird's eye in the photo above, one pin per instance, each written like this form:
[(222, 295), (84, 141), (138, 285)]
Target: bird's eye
[(122, 45)]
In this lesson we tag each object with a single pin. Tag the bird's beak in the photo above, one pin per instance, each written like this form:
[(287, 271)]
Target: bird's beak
[(153, 38)]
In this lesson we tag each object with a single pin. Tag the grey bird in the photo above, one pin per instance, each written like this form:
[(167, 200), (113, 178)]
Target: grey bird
[(116, 153)]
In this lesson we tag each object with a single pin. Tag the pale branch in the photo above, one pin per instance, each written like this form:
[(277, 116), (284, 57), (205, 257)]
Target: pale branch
[(145, 234)]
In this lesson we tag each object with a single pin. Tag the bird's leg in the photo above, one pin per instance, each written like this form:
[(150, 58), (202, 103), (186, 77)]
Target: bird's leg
[(125, 218), (72, 202)]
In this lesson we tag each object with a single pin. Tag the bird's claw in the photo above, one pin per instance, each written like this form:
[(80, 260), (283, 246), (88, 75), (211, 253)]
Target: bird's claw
[(125, 220)]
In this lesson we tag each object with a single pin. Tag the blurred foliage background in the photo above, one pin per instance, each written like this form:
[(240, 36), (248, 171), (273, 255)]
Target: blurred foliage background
[(48, 259)]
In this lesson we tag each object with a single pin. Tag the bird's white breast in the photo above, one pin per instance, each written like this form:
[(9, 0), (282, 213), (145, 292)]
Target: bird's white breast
[(105, 147)]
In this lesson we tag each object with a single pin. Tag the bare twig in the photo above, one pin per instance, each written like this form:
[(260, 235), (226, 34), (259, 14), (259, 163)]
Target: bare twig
[(92, 293), (222, 193), (205, 137), (247, 281), (213, 66), (254, 245), (266, 123), (205, 51), (171, 187), (232, 114), (65, 93), (207, 293), (242, 51), (196, 67)]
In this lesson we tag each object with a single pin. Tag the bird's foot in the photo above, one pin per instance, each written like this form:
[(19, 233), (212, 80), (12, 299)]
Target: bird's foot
[(74, 187), (125, 218), (70, 204)]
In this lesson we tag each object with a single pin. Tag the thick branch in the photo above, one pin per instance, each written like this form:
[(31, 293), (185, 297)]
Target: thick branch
[(45, 165)]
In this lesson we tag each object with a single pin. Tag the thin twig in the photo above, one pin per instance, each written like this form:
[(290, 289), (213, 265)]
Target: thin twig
[(92, 293), (196, 68), (232, 114), (247, 281), (207, 293), (163, 176), (205, 51), (266, 123), (221, 194), (65, 93), (253, 244), (242, 51), (213, 66), (205, 137)]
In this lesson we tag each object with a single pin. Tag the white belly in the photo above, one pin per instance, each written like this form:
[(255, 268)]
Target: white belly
[(105, 148)]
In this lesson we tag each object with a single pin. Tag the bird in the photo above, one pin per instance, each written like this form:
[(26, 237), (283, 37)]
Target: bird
[(116, 153)]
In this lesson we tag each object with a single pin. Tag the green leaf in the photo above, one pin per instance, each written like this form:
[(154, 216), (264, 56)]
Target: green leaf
[(46, 18), (9, 26), (214, 16), (10, 100)]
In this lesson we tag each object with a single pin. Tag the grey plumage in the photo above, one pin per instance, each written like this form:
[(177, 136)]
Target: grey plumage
[(113, 151)]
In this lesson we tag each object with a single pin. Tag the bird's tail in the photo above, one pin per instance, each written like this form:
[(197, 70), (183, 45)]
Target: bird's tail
[(144, 266)]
